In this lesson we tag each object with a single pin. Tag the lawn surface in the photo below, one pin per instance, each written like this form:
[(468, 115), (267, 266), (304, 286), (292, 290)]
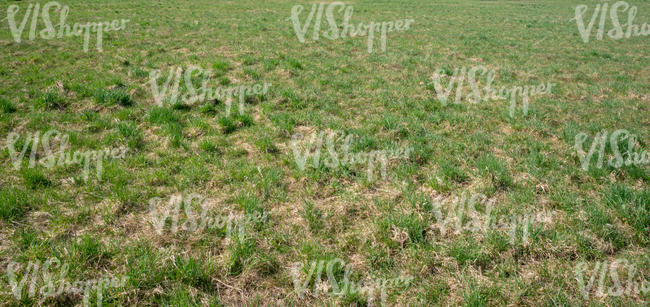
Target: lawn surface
[(384, 227)]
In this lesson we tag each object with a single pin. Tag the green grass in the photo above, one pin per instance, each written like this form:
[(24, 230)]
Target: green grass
[(245, 165), (114, 96), (13, 203), (35, 178), (53, 101), (6, 106)]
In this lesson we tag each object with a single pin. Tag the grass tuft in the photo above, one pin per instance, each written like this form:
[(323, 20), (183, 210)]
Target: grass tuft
[(53, 101), (13, 203), (34, 178), (113, 96), (6, 106)]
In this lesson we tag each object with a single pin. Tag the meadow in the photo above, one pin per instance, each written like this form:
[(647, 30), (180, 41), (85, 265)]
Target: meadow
[(431, 201)]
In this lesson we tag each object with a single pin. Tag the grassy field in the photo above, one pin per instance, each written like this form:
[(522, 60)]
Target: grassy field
[(401, 225)]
